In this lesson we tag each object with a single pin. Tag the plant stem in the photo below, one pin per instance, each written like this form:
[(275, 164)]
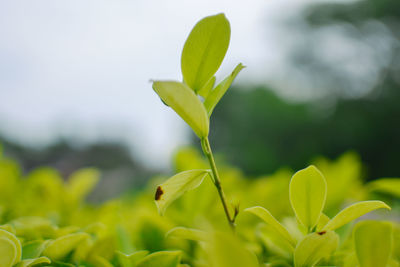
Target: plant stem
[(205, 144)]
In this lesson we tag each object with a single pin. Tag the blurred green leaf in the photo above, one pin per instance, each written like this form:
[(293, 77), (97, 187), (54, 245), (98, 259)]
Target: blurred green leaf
[(131, 260), (16, 244), (59, 248), (8, 252), (389, 186), (373, 243), (204, 50), (215, 95), (82, 182), (307, 192), (176, 186), (353, 212), (162, 258), (315, 247), (33, 262), (185, 103), (186, 233), (267, 217)]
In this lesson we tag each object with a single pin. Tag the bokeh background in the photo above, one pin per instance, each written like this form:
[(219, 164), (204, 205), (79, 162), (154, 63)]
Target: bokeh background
[(322, 78)]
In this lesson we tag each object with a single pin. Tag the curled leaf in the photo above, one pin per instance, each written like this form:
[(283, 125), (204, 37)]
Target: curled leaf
[(353, 212), (176, 186), (8, 252), (185, 103)]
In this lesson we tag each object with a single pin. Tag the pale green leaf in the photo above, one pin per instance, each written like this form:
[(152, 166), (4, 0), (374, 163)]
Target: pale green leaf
[(161, 258), (373, 243), (204, 50), (33, 262), (33, 249), (82, 182), (215, 95), (17, 244), (8, 252), (226, 250), (207, 87), (323, 220), (187, 233), (315, 247), (176, 186), (185, 103), (387, 185), (307, 192), (267, 217), (131, 260), (59, 248), (353, 212)]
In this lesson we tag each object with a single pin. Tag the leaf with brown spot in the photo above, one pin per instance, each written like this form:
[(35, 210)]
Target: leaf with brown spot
[(176, 186)]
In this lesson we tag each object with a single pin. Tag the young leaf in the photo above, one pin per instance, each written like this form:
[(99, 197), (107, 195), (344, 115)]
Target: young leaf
[(59, 248), (307, 192), (176, 186), (17, 244), (315, 247), (389, 186), (131, 260), (32, 262), (8, 252), (207, 87), (215, 95), (353, 212), (186, 233), (185, 103), (373, 243), (323, 220), (161, 258), (267, 217), (204, 50)]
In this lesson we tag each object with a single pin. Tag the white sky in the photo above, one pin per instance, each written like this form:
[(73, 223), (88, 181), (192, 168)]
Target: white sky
[(81, 68)]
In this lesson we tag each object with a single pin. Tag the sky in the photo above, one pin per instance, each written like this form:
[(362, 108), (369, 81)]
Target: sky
[(81, 69)]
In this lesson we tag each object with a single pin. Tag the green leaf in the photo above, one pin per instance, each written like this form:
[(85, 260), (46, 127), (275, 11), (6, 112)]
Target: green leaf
[(81, 182), (373, 243), (226, 250), (307, 192), (389, 186), (267, 217), (323, 220), (185, 103), (33, 249), (176, 186), (204, 50), (8, 252), (353, 212), (131, 260), (207, 87), (215, 95), (16, 244), (33, 262), (161, 258), (59, 248), (315, 247), (187, 233)]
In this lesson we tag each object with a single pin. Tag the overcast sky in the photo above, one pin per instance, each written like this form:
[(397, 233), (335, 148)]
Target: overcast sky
[(81, 68)]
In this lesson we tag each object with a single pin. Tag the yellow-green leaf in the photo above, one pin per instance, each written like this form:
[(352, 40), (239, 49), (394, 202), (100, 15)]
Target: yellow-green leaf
[(267, 217), (215, 95), (162, 258), (185, 103), (81, 183), (33, 262), (315, 247), (387, 185), (176, 186), (373, 243), (187, 233), (17, 244), (207, 87), (323, 220), (353, 212), (8, 252), (307, 192), (131, 260), (204, 50), (59, 248)]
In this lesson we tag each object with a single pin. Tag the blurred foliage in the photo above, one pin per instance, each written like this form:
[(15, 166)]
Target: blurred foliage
[(47, 219), (269, 132)]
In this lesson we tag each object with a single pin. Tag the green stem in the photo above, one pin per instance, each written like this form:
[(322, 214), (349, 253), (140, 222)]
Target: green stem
[(205, 144)]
